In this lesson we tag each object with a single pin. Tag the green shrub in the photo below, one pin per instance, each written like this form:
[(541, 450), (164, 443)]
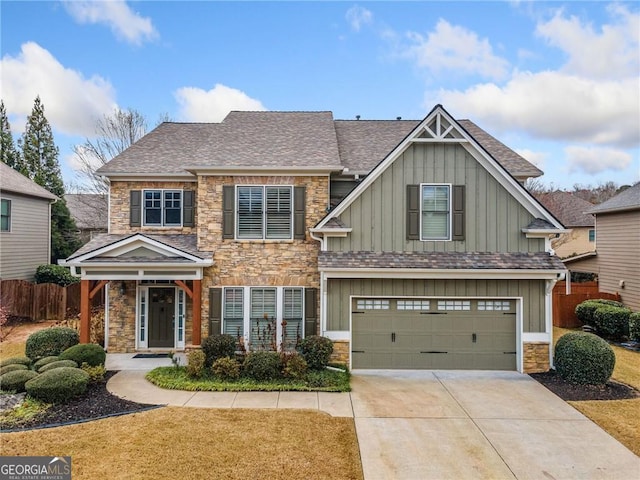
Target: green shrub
[(12, 367), (96, 373), (218, 346), (43, 361), (634, 326), (226, 368), (195, 363), (316, 351), (612, 321), (584, 358), (262, 365), (16, 360), (14, 381), (55, 274), (585, 310), (293, 365), (58, 385), (90, 353), (50, 341), (58, 364)]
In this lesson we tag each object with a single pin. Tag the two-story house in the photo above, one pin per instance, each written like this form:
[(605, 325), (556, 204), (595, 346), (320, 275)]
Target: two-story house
[(411, 244)]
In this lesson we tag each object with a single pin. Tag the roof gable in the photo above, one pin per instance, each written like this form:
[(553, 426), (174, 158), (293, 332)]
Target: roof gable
[(629, 199), (13, 181)]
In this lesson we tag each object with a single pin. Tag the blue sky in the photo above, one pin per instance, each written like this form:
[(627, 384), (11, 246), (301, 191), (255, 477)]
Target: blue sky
[(559, 82)]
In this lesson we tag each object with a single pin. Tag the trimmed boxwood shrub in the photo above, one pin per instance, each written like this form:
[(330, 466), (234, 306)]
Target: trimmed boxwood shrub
[(226, 368), (262, 365), (12, 367), (585, 310), (316, 351), (218, 346), (634, 326), (58, 385), (50, 341), (16, 360), (584, 358), (612, 321), (55, 274), (43, 361), (58, 364), (90, 353), (195, 363), (15, 381)]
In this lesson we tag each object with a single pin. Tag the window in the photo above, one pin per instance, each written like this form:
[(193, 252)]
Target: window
[(592, 235), (233, 312), (435, 212), (484, 305), (458, 305), (413, 305), (372, 304), (162, 207), (5, 217), (292, 317), (264, 212)]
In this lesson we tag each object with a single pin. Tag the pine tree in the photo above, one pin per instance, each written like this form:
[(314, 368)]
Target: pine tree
[(8, 152), (40, 160)]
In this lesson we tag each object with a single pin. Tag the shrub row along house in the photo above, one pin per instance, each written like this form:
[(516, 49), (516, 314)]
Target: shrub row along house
[(411, 244)]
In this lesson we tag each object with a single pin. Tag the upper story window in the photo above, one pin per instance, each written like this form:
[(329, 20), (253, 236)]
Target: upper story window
[(435, 207), (5, 216), (162, 207), (592, 235), (264, 212)]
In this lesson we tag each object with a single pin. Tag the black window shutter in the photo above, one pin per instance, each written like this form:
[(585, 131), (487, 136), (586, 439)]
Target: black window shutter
[(135, 208), (188, 208), (228, 211), (413, 212), (215, 311), (310, 312), (299, 208), (458, 212)]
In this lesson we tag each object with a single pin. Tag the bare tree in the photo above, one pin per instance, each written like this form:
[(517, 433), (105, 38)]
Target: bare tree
[(599, 193), (536, 186)]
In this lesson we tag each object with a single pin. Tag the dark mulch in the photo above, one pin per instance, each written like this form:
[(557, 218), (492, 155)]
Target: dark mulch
[(612, 390), (96, 402)]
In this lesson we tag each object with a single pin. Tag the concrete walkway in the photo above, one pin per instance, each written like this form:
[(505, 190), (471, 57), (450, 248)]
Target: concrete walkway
[(435, 424)]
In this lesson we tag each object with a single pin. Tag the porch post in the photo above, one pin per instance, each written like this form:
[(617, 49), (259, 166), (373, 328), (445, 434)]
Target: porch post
[(197, 312), (85, 310)]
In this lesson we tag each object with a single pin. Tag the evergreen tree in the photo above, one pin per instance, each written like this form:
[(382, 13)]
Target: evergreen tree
[(40, 159), (8, 152)]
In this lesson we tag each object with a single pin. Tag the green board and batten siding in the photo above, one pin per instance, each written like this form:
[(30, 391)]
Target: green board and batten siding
[(494, 219)]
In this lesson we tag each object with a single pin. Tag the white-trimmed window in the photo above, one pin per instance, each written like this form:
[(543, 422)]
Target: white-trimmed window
[(422, 305), (5, 215), (162, 207), (264, 212), (500, 305), (372, 304), (456, 305), (435, 212)]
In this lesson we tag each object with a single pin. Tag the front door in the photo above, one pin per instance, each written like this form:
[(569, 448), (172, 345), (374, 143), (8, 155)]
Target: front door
[(161, 317)]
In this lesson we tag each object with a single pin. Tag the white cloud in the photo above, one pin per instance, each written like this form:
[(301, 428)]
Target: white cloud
[(72, 102), (610, 53), (454, 48), (116, 14), (359, 16), (595, 160), (537, 158), (198, 105), (555, 105)]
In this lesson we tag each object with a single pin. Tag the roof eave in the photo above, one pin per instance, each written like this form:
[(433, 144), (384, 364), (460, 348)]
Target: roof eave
[(419, 273), (255, 170)]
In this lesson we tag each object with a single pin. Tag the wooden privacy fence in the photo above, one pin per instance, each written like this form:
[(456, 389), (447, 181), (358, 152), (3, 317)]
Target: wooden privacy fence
[(43, 301), (564, 305)]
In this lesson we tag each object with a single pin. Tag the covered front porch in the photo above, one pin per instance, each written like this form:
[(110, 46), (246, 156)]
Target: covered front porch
[(153, 298)]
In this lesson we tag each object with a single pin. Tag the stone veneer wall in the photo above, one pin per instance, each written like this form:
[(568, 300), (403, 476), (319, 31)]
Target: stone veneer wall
[(258, 262), (122, 318), (340, 351), (119, 206), (535, 357)]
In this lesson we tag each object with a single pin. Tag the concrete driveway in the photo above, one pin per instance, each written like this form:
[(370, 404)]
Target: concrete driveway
[(474, 425)]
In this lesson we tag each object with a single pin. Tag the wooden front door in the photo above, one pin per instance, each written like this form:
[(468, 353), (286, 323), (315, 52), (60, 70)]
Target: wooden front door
[(161, 317)]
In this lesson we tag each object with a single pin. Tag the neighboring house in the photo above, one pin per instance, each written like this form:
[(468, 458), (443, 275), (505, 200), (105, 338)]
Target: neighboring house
[(571, 211), (434, 255), (90, 212), (25, 225), (617, 258)]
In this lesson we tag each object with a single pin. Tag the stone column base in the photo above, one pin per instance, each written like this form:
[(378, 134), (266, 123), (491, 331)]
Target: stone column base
[(535, 357), (340, 352)]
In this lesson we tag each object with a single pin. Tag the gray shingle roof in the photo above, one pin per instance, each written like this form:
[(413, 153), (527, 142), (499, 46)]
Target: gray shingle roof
[(567, 208), (626, 200), (440, 260), (287, 140), (13, 181), (88, 210), (184, 243)]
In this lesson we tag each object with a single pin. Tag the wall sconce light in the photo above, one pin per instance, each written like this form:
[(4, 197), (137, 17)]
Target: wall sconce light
[(123, 288)]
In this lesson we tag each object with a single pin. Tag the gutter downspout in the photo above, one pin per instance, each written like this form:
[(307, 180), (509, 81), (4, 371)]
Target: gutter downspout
[(49, 242), (549, 311)]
